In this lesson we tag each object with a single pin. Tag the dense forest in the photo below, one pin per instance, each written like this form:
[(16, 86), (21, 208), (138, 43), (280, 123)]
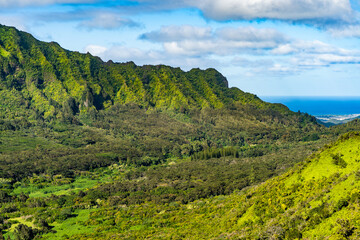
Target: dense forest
[(99, 150)]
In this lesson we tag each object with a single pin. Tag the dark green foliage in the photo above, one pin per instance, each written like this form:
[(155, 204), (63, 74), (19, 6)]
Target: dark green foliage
[(4, 196), (215, 153), (312, 137), (345, 228), (357, 175), (64, 214), (343, 202), (23, 232), (338, 160)]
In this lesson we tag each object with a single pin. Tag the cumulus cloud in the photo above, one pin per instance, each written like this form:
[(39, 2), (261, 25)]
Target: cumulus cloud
[(280, 68), (295, 10), (305, 62), (250, 34), (189, 40), (121, 53), (336, 59), (311, 47), (284, 49), (346, 31), (14, 21), (315, 12), (274, 53), (95, 49), (175, 33), (107, 20), (141, 57), (296, 57), (308, 55), (289, 10), (288, 56), (90, 20), (292, 56)]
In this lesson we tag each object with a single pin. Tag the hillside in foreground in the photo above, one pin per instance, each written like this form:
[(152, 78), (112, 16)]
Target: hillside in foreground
[(317, 199)]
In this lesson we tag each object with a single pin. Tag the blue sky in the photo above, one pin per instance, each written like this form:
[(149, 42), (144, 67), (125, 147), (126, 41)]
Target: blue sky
[(266, 47)]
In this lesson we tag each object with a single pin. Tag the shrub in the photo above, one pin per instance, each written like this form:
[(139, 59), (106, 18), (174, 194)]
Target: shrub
[(65, 214), (338, 160), (341, 204), (23, 232)]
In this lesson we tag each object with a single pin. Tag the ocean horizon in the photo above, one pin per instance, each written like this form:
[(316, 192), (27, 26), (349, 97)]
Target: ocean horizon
[(318, 106)]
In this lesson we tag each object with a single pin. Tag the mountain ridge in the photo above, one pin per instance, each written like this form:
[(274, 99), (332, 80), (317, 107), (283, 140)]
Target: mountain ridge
[(51, 78)]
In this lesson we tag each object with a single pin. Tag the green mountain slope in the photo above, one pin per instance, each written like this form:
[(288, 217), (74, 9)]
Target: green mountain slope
[(53, 81), (317, 199)]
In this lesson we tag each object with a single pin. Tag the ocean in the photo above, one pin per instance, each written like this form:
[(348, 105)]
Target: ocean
[(325, 109)]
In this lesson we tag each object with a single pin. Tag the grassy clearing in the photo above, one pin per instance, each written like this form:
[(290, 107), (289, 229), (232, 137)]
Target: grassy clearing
[(72, 226), (81, 183), (33, 190)]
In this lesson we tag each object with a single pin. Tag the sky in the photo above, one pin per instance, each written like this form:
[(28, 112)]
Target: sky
[(266, 47)]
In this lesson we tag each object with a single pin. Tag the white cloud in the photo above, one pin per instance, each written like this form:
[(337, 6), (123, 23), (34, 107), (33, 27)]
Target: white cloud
[(336, 59), (189, 40), (284, 49), (346, 31), (318, 47), (91, 19), (247, 34), (295, 10), (317, 11), (274, 53), (142, 57), (95, 50), (14, 21), (296, 57), (107, 20), (121, 53), (309, 58), (175, 33), (280, 68), (311, 47)]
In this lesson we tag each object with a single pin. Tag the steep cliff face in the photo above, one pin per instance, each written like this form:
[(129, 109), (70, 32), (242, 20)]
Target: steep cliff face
[(52, 80)]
